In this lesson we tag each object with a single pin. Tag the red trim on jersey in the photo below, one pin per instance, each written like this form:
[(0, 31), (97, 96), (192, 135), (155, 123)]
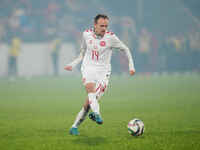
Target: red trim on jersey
[(88, 30), (108, 32), (98, 87), (103, 89)]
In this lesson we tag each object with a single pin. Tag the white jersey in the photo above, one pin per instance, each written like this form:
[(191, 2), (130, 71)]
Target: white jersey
[(96, 51)]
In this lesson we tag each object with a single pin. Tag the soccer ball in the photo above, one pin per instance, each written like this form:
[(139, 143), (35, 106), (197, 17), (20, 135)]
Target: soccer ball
[(136, 127)]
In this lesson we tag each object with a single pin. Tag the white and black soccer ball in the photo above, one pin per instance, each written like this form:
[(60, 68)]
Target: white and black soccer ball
[(136, 127)]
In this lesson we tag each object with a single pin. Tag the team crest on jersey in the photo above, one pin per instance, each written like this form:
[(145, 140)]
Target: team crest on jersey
[(102, 43)]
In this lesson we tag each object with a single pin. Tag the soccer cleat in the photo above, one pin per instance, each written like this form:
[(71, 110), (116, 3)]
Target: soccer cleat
[(98, 119), (95, 117), (74, 131)]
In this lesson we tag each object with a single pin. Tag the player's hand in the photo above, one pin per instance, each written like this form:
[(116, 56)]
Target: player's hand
[(132, 72), (68, 68)]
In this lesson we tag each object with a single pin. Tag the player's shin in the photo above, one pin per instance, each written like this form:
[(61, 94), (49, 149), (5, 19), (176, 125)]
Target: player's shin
[(93, 103), (81, 116)]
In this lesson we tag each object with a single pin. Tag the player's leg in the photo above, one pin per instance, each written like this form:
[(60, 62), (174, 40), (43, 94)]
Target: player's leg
[(90, 88), (91, 102), (84, 110), (82, 114), (80, 118), (101, 87), (89, 81), (94, 105)]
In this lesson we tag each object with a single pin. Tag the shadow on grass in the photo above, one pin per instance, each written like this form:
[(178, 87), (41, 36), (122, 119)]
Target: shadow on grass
[(91, 141), (130, 137)]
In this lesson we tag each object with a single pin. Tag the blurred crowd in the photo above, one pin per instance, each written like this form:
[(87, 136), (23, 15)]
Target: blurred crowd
[(40, 20), (45, 21), (169, 53)]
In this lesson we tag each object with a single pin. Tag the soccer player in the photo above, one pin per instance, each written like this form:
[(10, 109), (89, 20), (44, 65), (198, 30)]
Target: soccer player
[(96, 50), (13, 56), (55, 47)]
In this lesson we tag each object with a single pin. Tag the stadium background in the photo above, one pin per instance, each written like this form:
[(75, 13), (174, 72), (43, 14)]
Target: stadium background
[(39, 102), (163, 35)]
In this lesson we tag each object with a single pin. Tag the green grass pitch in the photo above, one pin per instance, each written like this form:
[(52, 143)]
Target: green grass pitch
[(37, 114)]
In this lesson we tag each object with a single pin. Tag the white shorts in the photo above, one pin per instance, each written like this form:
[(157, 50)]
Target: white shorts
[(98, 76)]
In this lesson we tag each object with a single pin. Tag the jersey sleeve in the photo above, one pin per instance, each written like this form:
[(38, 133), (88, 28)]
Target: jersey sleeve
[(78, 59), (116, 43)]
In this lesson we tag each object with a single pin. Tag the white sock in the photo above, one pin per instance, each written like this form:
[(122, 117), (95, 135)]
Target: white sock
[(80, 117), (94, 105)]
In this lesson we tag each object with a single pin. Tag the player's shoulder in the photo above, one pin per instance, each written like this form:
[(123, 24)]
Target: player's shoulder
[(110, 33)]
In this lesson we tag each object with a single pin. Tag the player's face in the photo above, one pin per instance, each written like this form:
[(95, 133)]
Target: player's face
[(101, 26)]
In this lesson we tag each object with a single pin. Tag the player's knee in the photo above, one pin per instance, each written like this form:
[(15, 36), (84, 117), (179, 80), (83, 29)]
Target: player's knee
[(90, 87)]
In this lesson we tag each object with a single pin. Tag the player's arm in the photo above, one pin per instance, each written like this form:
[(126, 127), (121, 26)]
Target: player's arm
[(116, 43), (76, 61)]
